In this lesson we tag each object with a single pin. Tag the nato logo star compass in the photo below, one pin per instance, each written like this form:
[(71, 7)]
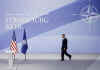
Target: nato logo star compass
[(89, 12)]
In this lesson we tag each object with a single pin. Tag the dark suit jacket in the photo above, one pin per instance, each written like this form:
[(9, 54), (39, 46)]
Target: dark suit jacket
[(64, 43)]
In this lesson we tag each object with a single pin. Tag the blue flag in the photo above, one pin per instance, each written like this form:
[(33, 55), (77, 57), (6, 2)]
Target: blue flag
[(24, 44)]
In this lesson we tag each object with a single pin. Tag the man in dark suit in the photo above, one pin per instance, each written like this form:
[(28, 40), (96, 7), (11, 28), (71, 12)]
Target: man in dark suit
[(64, 48)]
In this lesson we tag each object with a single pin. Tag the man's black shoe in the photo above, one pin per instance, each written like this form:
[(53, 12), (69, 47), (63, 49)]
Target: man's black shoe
[(62, 60)]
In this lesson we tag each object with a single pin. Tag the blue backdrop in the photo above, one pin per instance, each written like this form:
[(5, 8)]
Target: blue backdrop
[(45, 21)]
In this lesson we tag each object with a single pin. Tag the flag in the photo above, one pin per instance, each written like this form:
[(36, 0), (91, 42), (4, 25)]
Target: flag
[(24, 44), (13, 45)]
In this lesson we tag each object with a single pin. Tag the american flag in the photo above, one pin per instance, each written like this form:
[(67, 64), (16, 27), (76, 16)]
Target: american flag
[(13, 45)]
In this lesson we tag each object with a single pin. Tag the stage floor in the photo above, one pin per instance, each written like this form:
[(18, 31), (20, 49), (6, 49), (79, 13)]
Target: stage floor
[(51, 62)]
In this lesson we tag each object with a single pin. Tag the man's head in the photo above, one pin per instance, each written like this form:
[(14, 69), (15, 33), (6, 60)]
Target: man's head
[(63, 35)]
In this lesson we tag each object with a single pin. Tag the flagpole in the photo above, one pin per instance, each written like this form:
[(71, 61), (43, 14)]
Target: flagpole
[(25, 57), (13, 55), (13, 52), (10, 60), (13, 58)]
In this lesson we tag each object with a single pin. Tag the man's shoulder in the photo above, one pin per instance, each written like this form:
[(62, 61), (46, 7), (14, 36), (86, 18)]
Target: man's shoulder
[(65, 38)]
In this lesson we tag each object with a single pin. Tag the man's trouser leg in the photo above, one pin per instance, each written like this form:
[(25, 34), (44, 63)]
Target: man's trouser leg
[(62, 54)]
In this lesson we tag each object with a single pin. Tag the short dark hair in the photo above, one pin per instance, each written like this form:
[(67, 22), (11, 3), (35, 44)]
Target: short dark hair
[(63, 34)]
